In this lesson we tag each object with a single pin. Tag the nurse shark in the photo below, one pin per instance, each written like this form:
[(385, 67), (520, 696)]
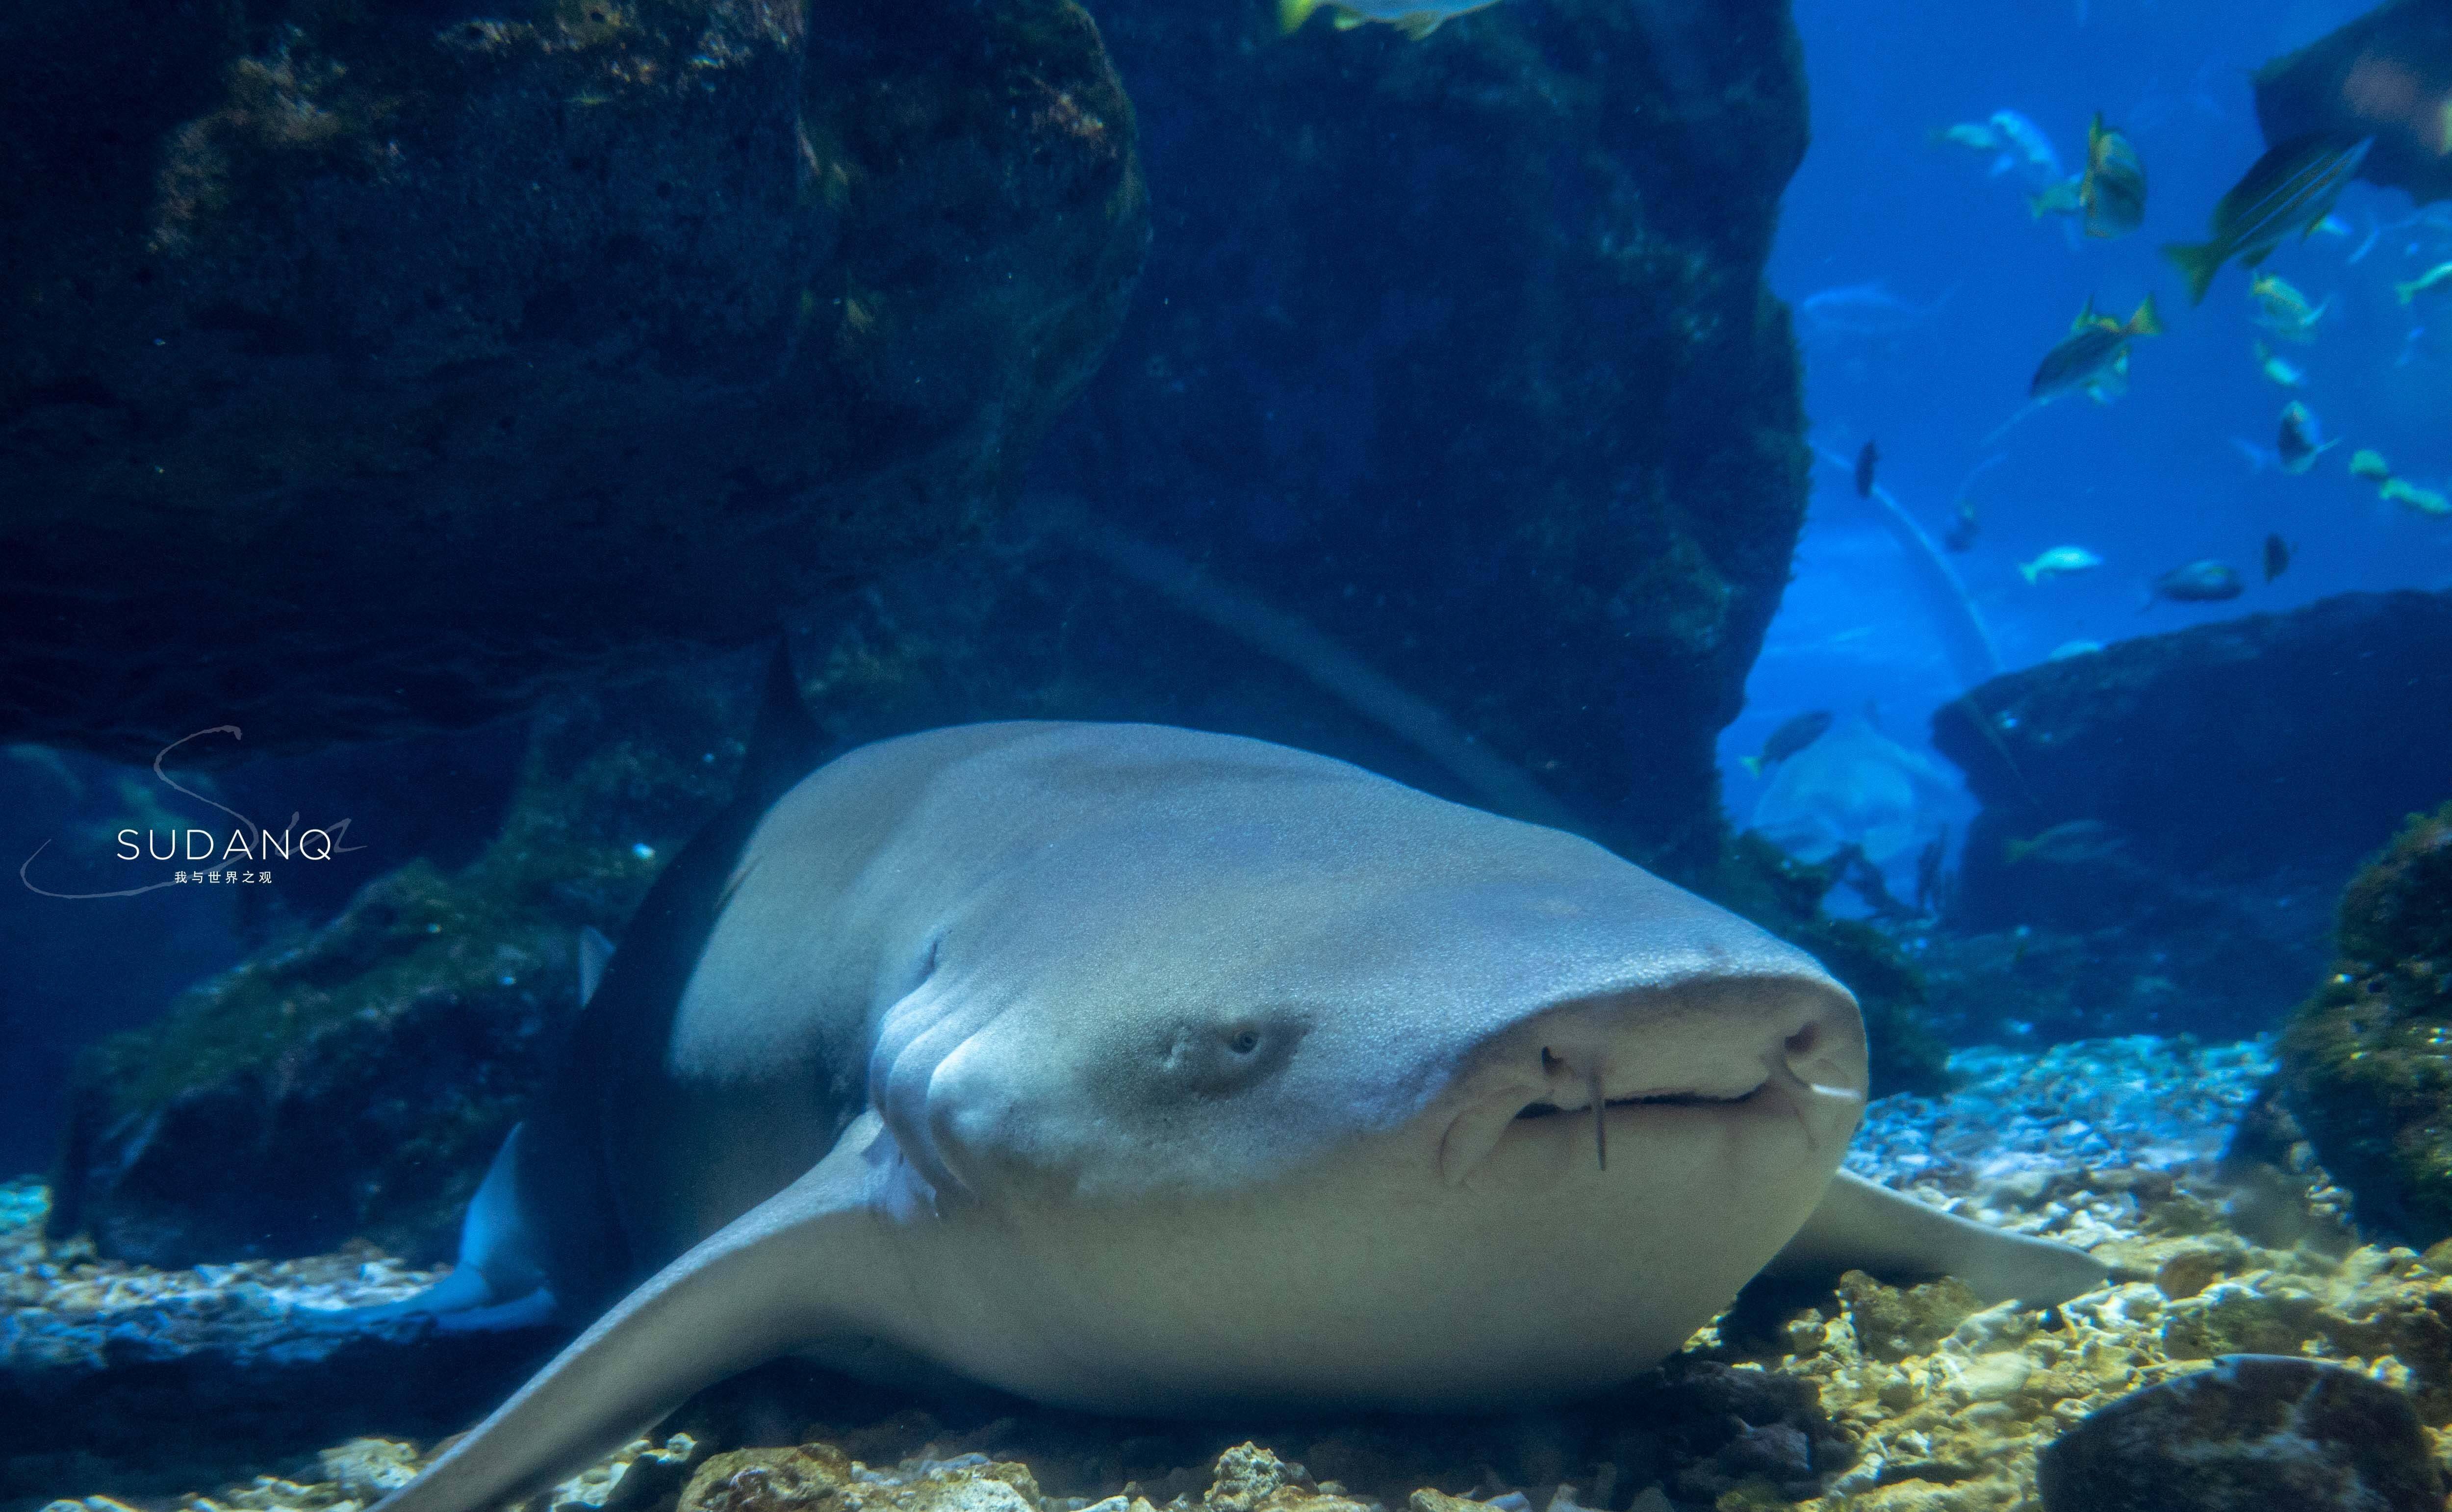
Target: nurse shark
[(1140, 1070)]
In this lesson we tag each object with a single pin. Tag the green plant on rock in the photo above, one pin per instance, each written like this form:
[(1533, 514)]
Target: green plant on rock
[(2366, 1063)]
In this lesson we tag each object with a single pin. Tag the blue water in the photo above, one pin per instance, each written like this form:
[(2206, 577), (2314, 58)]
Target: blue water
[(2147, 482)]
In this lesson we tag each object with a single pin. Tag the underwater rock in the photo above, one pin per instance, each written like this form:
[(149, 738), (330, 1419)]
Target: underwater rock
[(2255, 1432), (2363, 1068), (1459, 350), (2177, 742), (355, 1083), (2171, 749), (2190, 961), (370, 371)]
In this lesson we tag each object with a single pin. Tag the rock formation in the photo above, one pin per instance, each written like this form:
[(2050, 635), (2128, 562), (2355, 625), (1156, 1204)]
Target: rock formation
[(366, 372)]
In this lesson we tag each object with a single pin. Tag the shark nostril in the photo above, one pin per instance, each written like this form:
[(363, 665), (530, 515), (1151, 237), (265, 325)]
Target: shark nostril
[(1550, 1064), (1803, 1042)]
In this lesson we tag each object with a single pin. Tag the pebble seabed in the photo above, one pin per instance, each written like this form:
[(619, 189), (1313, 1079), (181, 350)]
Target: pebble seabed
[(1926, 1399)]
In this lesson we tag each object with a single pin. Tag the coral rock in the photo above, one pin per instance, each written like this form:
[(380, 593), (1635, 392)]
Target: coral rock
[(2256, 1432), (2363, 1064)]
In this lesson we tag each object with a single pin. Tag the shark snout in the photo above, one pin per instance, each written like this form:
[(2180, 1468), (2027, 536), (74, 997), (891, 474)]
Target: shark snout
[(1790, 1047)]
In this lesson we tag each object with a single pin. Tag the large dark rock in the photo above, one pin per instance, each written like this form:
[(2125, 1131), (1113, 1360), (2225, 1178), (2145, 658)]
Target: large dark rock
[(2253, 1434), (2229, 777), (2224, 780), (2363, 1068), (2219, 753), (367, 369), (1459, 349)]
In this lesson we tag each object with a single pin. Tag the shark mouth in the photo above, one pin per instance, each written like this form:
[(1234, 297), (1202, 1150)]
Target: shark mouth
[(1799, 1066), (1597, 1105)]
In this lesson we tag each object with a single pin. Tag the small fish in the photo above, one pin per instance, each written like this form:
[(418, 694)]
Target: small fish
[(2301, 440), (2205, 582), (2072, 648), (1963, 528), (2067, 198), (2290, 188), (2095, 356), (2277, 557), (1976, 136), (1791, 736), (1415, 18), (2112, 189), (1865, 461), (2069, 843), (2059, 562), (1866, 309), (2030, 150), (2366, 463), (2280, 371), (2285, 312), (2435, 280), (2425, 501)]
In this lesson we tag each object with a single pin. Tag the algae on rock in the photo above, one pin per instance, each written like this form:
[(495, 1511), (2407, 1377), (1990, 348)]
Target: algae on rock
[(2366, 1063), (355, 1083)]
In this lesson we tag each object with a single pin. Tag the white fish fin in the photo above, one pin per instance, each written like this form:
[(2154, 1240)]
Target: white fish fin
[(780, 1277), (498, 1280), (1861, 1226), (595, 954)]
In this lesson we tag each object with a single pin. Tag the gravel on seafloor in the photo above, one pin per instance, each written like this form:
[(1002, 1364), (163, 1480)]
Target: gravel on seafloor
[(1942, 1405)]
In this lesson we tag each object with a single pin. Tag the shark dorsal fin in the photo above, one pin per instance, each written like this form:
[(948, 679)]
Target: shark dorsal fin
[(595, 954), (784, 746)]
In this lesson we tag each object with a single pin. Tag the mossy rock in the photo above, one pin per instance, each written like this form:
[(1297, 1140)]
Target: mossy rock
[(1762, 882), (356, 1083), (2366, 1063)]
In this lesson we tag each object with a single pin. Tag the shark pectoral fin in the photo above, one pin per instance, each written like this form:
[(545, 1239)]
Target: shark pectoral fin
[(1861, 1226), (757, 1289)]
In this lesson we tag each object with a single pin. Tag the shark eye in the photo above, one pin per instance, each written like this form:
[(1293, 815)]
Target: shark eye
[(1242, 1052)]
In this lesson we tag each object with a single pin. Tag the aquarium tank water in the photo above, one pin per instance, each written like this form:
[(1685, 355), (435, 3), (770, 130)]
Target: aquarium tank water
[(1268, 756)]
